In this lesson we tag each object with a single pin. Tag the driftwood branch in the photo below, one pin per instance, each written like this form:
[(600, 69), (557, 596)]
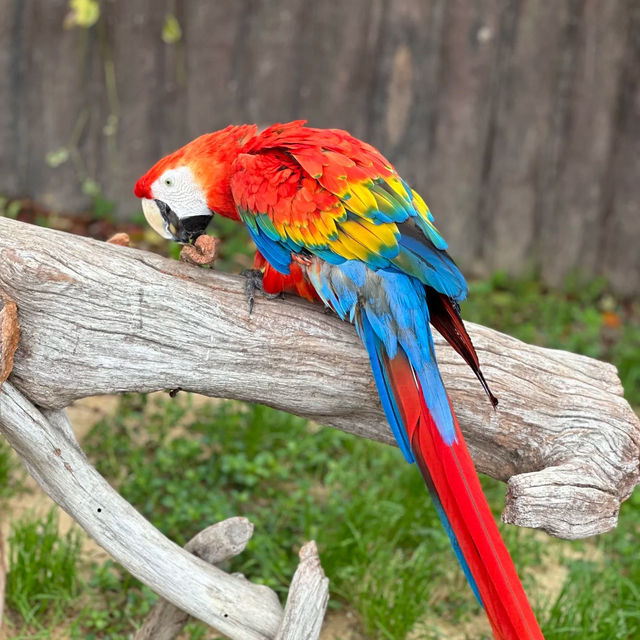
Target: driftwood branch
[(307, 599), (215, 544), (97, 318), (49, 451)]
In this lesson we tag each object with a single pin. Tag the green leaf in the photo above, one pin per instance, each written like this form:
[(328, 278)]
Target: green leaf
[(90, 187), (171, 31), (56, 158), (83, 13)]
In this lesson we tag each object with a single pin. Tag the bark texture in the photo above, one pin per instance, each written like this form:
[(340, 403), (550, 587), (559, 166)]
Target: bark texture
[(97, 318), (307, 599), (215, 544)]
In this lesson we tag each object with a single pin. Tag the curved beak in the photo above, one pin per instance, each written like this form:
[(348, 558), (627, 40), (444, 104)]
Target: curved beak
[(164, 221)]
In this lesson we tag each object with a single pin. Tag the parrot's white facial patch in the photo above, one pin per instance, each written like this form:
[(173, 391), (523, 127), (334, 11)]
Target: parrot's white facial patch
[(177, 209), (154, 218), (182, 194)]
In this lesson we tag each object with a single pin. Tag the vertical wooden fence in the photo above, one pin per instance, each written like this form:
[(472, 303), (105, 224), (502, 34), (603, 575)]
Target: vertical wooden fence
[(519, 120)]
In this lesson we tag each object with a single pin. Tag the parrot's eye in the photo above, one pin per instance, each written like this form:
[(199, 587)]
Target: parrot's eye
[(168, 182)]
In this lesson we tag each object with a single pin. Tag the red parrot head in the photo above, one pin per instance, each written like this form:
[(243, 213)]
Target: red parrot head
[(183, 190)]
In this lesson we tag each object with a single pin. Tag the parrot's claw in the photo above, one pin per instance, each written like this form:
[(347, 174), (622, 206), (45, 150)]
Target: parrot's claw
[(253, 284)]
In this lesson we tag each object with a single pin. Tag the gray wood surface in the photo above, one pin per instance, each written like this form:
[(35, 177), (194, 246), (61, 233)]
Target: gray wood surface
[(518, 120), (98, 318), (46, 445), (307, 598), (215, 544)]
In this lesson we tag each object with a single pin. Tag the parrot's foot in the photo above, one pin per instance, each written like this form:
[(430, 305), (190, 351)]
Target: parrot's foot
[(253, 284), (121, 239), (203, 252)]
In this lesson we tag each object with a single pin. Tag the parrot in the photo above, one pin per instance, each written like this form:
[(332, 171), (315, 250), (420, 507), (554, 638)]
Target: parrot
[(334, 221)]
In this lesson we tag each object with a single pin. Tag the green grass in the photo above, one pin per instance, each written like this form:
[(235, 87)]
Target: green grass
[(10, 473), (42, 580), (380, 541), (581, 317), (186, 466)]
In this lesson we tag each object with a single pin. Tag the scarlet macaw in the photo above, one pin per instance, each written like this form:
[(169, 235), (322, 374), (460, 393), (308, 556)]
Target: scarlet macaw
[(332, 219)]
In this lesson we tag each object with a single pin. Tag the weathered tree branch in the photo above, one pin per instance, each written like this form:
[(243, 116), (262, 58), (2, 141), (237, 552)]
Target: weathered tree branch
[(49, 451), (215, 544), (98, 318), (307, 599), (306, 602)]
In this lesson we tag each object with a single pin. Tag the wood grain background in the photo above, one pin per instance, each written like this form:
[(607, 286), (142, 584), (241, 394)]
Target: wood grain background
[(518, 120)]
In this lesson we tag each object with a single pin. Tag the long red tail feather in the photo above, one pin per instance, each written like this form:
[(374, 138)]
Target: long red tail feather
[(448, 470)]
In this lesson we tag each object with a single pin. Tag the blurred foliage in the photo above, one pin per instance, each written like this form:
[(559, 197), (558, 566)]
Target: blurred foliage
[(582, 317), (82, 13), (57, 157), (171, 30), (42, 580), (10, 208), (10, 473)]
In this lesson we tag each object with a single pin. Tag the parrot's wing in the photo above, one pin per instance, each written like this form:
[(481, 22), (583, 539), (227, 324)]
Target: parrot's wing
[(322, 191)]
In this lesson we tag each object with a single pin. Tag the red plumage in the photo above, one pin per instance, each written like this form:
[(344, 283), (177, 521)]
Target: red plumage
[(311, 186), (449, 473), (275, 282)]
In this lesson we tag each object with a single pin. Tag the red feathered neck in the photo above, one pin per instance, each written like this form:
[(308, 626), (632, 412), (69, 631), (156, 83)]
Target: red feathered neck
[(210, 158)]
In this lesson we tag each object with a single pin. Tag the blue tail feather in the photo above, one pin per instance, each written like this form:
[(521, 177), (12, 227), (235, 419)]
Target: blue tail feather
[(390, 406), (373, 346), (392, 318)]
